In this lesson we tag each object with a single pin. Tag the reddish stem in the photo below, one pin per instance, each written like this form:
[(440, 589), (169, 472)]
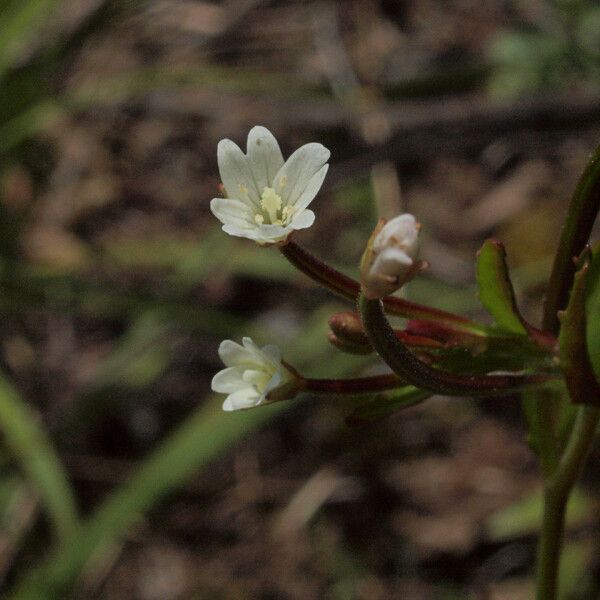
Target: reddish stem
[(354, 386), (350, 289)]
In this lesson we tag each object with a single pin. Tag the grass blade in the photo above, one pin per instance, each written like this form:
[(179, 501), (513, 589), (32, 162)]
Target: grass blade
[(38, 460)]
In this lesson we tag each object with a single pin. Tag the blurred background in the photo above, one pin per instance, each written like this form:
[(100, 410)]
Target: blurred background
[(117, 285)]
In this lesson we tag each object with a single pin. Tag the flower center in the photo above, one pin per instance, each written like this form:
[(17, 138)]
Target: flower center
[(258, 379), (273, 212)]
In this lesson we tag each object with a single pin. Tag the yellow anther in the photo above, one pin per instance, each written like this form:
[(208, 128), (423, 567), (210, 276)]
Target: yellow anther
[(259, 219)]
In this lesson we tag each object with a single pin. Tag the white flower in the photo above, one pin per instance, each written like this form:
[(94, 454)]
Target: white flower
[(390, 258), (252, 373), (267, 198)]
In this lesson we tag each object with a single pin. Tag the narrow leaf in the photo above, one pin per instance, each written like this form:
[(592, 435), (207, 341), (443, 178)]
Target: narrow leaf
[(495, 288), (206, 434), (38, 460), (579, 374), (385, 404), (523, 517), (592, 311)]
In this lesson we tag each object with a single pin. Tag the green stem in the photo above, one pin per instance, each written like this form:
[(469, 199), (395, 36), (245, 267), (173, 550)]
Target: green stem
[(576, 231), (556, 496), (539, 407), (408, 367), (574, 236), (349, 288)]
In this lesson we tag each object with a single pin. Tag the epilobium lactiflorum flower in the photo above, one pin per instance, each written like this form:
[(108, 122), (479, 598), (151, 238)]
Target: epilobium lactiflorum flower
[(253, 375), (389, 260), (267, 197)]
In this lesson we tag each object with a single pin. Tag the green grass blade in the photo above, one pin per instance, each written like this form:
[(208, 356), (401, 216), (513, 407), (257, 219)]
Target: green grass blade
[(204, 436), (38, 460), (19, 23)]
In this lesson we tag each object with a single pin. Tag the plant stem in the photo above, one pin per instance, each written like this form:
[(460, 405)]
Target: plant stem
[(349, 288), (407, 366), (359, 385), (581, 215), (556, 496), (574, 236)]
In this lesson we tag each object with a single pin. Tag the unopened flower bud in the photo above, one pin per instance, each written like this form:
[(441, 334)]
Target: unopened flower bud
[(389, 260), (349, 346)]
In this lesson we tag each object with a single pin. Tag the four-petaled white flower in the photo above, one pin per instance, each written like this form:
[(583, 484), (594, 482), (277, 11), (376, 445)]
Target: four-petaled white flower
[(267, 198), (253, 375), (390, 258)]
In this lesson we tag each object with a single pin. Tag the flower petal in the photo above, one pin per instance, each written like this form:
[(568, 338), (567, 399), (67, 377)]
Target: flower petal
[(273, 383), (232, 212), (246, 232), (234, 355), (270, 234), (391, 261), (312, 188), (236, 173), (293, 178), (246, 398), (228, 380), (304, 220), (264, 156)]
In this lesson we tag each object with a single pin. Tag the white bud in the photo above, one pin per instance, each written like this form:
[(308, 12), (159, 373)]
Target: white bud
[(390, 258)]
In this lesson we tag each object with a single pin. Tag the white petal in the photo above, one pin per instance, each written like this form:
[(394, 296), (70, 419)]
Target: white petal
[(228, 380), (274, 382), (402, 232), (269, 233), (254, 349), (232, 212), (292, 179), (246, 398), (234, 355), (264, 156), (393, 262), (246, 232), (236, 173), (312, 189), (304, 220)]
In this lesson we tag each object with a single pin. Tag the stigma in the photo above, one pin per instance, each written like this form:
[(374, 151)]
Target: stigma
[(273, 211)]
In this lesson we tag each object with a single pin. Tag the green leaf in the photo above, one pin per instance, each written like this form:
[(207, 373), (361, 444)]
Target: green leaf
[(495, 288), (206, 434), (20, 21), (385, 404), (38, 460), (579, 374), (592, 311), (524, 516)]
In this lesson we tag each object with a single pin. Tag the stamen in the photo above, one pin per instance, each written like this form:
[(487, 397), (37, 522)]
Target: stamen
[(287, 213)]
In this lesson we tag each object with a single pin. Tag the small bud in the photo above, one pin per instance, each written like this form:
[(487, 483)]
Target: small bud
[(389, 260), (348, 346)]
